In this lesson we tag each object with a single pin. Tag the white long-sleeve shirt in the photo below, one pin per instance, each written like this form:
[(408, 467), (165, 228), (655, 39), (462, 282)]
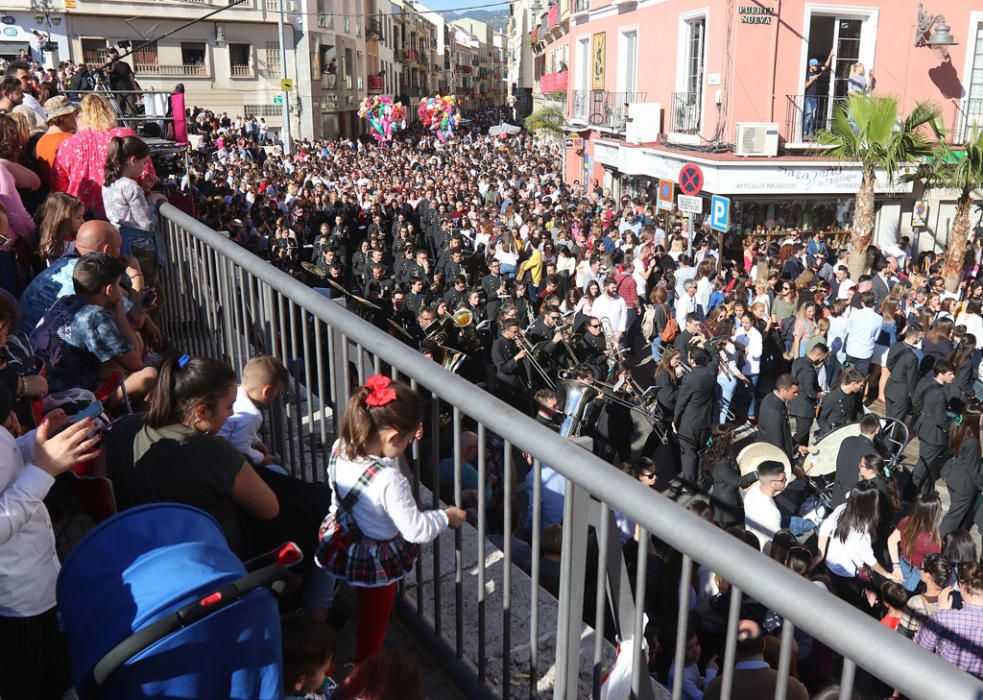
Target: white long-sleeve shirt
[(751, 340), (613, 309), (28, 561), (386, 507), (242, 427)]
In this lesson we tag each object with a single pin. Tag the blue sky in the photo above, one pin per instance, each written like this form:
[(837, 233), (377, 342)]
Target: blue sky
[(454, 4)]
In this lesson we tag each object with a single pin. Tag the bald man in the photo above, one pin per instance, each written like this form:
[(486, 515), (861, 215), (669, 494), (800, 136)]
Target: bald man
[(56, 281)]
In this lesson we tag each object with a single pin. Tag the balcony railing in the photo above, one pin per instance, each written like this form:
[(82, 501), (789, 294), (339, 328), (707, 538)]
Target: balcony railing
[(241, 71), (604, 110), (687, 108), (806, 116), (553, 17), (189, 70), (553, 82), (376, 83)]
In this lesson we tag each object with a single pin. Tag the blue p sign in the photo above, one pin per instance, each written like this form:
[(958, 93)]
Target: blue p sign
[(719, 213)]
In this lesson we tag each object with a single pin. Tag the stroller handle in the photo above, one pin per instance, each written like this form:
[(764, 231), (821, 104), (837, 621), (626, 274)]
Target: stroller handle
[(274, 577)]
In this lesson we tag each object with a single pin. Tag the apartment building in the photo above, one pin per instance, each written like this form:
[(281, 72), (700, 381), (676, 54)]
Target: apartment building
[(651, 86)]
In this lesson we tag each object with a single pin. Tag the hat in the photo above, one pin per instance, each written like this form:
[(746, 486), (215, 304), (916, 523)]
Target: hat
[(813, 61), (59, 106)]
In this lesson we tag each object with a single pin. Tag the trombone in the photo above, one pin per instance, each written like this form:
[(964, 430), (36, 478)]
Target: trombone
[(647, 408), (537, 366)]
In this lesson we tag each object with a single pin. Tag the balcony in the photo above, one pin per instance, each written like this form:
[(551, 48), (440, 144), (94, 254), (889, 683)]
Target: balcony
[(604, 110), (241, 71), (376, 84), (409, 54), (373, 29), (551, 82), (807, 116), (553, 17), (190, 71), (686, 111)]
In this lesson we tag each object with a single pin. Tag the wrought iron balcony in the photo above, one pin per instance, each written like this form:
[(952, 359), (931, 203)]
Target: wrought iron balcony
[(807, 115), (603, 109), (376, 84), (686, 112)]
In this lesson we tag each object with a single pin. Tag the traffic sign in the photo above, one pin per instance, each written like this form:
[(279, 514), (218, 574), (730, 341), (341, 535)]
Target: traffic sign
[(689, 205), (278, 99), (287, 84), (666, 188), (719, 213), (690, 179)]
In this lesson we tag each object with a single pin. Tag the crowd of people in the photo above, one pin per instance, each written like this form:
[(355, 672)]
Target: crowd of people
[(593, 314)]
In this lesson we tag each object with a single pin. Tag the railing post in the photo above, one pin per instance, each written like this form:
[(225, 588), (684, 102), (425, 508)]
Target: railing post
[(569, 615)]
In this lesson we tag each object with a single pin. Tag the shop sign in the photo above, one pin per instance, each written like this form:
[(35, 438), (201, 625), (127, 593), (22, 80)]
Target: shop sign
[(573, 142), (919, 214), (8, 20), (755, 14), (689, 205), (9, 31), (278, 99)]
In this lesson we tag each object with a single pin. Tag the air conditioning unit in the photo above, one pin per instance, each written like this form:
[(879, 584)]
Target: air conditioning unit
[(756, 139)]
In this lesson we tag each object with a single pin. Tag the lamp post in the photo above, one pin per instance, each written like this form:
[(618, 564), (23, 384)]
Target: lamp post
[(287, 141), (44, 14), (940, 36)]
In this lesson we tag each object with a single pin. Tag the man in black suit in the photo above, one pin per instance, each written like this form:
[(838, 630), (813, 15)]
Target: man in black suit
[(852, 450), (932, 425), (773, 425), (548, 341), (696, 411), (841, 406), (803, 406), (690, 331), (794, 265), (902, 362), (507, 355)]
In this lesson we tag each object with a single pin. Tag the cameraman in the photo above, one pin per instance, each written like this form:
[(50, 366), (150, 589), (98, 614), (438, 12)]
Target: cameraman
[(121, 82)]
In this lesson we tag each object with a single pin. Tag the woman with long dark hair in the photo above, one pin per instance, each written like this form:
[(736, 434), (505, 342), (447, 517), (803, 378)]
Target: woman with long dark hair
[(846, 541), (915, 537), (723, 476), (966, 361)]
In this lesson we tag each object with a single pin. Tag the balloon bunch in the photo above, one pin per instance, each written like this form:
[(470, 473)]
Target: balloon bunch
[(384, 115), (440, 115)]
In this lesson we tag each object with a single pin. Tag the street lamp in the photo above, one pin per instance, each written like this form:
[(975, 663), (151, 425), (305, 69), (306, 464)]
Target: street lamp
[(940, 36), (44, 14)]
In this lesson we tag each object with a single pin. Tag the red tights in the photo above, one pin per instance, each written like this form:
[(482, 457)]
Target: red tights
[(374, 607)]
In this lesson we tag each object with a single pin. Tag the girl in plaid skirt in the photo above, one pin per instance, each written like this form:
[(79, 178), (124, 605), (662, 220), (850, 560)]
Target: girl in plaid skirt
[(374, 503)]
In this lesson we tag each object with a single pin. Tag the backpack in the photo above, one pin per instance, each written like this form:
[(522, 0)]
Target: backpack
[(671, 329)]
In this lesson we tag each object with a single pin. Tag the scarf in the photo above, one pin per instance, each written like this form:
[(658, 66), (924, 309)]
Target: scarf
[(147, 437)]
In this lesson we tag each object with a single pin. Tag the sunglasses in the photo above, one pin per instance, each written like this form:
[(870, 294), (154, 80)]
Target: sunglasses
[(594, 325)]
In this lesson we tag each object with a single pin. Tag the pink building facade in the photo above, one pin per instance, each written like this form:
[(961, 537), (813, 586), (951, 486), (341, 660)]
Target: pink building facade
[(655, 84)]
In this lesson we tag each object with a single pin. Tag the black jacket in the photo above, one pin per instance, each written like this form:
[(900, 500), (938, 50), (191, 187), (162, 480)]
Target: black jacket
[(902, 362), (773, 426), (508, 371), (838, 409), (964, 472), (725, 494), (696, 405), (804, 403), (930, 403), (848, 458)]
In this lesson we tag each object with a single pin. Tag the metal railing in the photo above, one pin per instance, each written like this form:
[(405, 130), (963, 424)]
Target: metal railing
[(687, 109), (603, 109), (807, 115), (222, 301)]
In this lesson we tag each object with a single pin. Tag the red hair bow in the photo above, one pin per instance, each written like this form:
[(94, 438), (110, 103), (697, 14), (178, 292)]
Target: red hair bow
[(381, 392)]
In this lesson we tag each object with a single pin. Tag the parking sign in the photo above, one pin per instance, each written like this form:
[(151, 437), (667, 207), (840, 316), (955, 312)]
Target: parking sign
[(719, 213)]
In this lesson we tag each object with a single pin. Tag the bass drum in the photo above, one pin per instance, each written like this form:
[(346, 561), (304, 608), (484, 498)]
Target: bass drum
[(757, 452), (822, 457)]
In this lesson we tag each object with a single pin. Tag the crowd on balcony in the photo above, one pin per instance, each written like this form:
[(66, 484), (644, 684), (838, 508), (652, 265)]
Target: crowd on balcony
[(476, 253)]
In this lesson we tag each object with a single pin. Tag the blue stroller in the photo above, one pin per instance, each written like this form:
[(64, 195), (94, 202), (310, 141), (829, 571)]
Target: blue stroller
[(155, 604)]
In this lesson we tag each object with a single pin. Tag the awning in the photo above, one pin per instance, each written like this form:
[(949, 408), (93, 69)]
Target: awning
[(11, 49)]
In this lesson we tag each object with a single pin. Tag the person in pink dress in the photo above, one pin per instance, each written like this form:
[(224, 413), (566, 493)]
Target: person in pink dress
[(80, 164)]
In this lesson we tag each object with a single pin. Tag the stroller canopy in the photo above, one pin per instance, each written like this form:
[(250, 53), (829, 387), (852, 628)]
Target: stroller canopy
[(144, 564)]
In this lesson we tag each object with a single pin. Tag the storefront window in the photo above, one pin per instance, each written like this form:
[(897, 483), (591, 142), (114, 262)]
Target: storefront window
[(826, 214)]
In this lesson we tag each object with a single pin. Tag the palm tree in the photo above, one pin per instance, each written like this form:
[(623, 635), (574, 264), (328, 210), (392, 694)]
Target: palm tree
[(548, 120), (962, 172), (867, 129)]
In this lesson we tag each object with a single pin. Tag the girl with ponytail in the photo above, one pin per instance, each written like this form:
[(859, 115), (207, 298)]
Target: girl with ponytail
[(371, 534)]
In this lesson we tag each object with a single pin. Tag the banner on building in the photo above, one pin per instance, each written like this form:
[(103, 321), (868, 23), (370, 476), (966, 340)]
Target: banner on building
[(600, 52)]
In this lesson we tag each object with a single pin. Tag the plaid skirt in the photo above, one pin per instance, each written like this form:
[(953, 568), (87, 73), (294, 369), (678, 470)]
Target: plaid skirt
[(369, 562)]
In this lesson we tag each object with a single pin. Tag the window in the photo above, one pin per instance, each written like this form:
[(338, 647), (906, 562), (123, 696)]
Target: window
[(627, 60), (95, 50), (193, 58), (973, 111), (696, 29), (272, 58), (145, 59), (240, 60)]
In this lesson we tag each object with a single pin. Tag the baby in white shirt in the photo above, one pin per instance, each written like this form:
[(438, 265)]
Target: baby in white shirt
[(263, 378)]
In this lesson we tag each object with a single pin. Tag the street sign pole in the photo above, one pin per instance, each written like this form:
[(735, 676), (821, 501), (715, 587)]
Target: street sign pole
[(689, 243), (287, 141)]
